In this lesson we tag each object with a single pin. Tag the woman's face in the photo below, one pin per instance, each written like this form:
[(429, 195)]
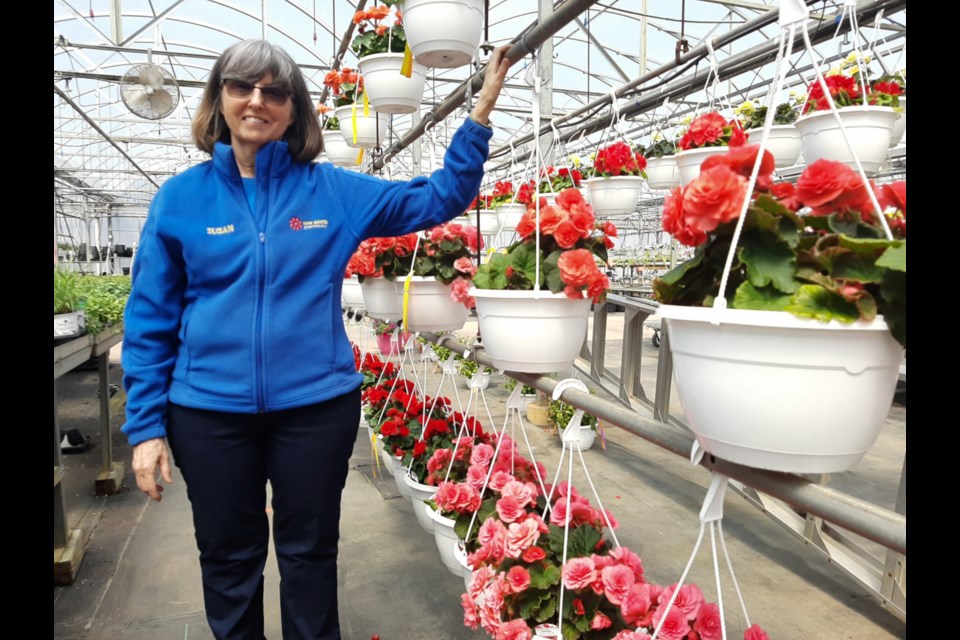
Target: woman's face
[(253, 122)]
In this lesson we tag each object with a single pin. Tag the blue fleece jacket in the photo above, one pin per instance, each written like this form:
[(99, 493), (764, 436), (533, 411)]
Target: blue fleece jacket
[(227, 316)]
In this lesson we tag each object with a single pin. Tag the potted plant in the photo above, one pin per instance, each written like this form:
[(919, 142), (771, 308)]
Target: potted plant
[(560, 415), (336, 148), (69, 320), (662, 170), (814, 308), (360, 128), (380, 50), (511, 204), (618, 173), (473, 375), (866, 110), (385, 332), (377, 262), (784, 139), (533, 299), (900, 126), (489, 222), (709, 134), (437, 286), (443, 33), (527, 393)]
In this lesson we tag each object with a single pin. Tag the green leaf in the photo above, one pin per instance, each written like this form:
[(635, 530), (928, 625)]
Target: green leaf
[(552, 272), (674, 275), (493, 274), (544, 578), (524, 260), (582, 541), (866, 245), (851, 225), (814, 301), (569, 631), (528, 604), (762, 299), (867, 306), (894, 258), (769, 262), (548, 609), (857, 267)]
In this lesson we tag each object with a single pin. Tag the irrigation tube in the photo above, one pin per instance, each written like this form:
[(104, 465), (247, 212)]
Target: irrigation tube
[(522, 45), (880, 525), (730, 67)]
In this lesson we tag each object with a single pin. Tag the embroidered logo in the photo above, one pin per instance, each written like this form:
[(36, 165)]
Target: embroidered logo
[(299, 225), (219, 231)]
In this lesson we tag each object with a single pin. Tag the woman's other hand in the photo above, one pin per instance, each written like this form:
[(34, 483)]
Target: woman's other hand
[(497, 68), (147, 456)]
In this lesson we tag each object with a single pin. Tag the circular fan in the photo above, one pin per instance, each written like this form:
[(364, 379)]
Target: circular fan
[(149, 91)]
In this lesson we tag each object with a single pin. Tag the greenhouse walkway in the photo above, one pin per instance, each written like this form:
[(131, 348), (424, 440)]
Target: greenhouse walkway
[(140, 578)]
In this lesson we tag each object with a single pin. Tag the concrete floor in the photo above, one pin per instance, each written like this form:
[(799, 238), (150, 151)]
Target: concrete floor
[(140, 576)]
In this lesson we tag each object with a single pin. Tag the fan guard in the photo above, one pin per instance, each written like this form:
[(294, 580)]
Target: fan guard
[(149, 91)]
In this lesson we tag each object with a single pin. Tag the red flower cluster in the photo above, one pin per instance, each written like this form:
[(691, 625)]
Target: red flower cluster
[(828, 187), (525, 193), (347, 76), (713, 130), (619, 160), (375, 257), (844, 90)]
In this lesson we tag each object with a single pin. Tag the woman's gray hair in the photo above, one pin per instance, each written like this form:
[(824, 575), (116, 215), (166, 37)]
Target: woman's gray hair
[(250, 60)]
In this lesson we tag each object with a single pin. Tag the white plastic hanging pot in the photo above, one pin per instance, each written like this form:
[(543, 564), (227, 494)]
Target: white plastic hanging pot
[(352, 294), (509, 215), (869, 129), (900, 126), (614, 196), (419, 493), (784, 143), (399, 473), (367, 127), (446, 540), (388, 90), (460, 553), (770, 390), (386, 460), (430, 307), (531, 331), (489, 222), (443, 33), (663, 172), (337, 151), (581, 437), (689, 160), (380, 298)]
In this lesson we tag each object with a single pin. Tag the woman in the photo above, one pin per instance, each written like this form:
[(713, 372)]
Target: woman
[(235, 350)]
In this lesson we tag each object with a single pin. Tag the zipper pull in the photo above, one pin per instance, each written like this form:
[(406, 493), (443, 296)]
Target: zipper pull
[(261, 237)]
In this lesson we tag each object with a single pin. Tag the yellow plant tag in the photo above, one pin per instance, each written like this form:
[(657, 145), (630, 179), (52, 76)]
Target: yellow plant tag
[(406, 69), (360, 156), (376, 453), (406, 298), (366, 105)]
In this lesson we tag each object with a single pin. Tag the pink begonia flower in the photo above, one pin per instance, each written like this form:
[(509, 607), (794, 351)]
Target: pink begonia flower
[(492, 536), (617, 582), (465, 265), (509, 509), (613, 521), (524, 493), (541, 525), (470, 618), (482, 455), (480, 580), (578, 573), (600, 621), (476, 476), (708, 622), (627, 634), (623, 555), (518, 579), (514, 630), (459, 292), (500, 478), (490, 608), (755, 633), (636, 606), (558, 514), (521, 536), (675, 625), (689, 599)]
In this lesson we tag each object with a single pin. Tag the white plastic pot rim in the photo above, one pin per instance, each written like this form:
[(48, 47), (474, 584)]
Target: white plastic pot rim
[(510, 294), (870, 108), (778, 319), (439, 519), (601, 179)]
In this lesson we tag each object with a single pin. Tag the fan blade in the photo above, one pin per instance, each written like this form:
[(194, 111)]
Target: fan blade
[(134, 96), (162, 102), (151, 76)]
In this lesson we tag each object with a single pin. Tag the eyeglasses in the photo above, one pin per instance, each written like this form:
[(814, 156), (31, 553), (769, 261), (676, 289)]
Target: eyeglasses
[(240, 90)]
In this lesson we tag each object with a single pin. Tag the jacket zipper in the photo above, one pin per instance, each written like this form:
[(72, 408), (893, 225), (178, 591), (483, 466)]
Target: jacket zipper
[(261, 293)]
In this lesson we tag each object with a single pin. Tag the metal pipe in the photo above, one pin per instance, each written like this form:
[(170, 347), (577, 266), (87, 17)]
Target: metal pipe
[(728, 68), (522, 45), (875, 523)]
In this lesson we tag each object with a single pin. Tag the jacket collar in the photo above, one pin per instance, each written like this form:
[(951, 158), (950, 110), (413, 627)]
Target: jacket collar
[(273, 159)]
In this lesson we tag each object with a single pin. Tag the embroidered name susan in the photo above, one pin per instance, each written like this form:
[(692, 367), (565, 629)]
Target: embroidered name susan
[(219, 231)]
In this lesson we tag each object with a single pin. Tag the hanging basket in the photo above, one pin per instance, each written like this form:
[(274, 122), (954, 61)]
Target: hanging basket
[(338, 153), (770, 390), (430, 307), (663, 172), (380, 298), (390, 91), (688, 161), (352, 294), (386, 460), (784, 144), (509, 215), (446, 540), (869, 129), (400, 472), (900, 126), (387, 347), (367, 127), (443, 33), (531, 331), (419, 493), (460, 553), (614, 196)]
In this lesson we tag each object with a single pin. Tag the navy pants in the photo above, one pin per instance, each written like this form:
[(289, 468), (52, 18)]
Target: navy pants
[(226, 460)]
